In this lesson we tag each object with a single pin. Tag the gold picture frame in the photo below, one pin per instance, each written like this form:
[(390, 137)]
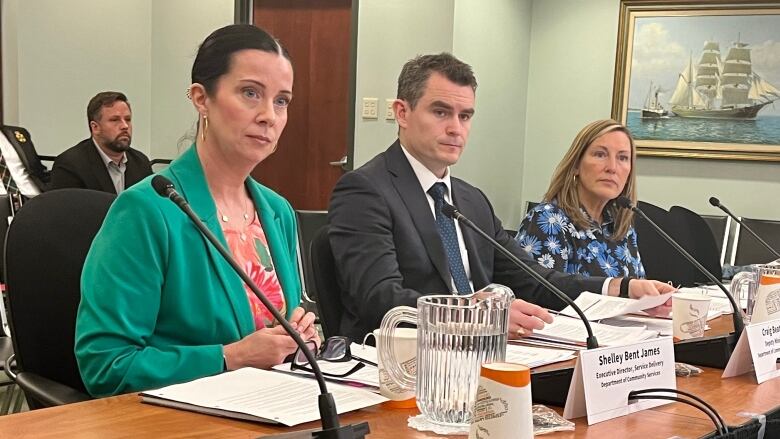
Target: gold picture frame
[(714, 88)]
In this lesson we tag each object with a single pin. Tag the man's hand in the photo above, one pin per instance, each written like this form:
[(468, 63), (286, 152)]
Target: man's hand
[(524, 317)]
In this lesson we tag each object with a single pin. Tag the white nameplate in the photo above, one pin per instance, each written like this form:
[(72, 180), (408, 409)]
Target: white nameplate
[(758, 349), (603, 378)]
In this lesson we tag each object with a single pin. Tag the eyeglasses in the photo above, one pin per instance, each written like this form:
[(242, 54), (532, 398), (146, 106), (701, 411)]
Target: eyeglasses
[(333, 350)]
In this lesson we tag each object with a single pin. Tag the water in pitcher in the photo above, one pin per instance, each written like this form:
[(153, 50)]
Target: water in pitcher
[(449, 356)]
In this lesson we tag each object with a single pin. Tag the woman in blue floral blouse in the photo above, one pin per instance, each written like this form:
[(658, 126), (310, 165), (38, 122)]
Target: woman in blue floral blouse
[(578, 228)]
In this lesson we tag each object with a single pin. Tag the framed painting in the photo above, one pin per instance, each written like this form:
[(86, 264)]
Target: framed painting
[(700, 79)]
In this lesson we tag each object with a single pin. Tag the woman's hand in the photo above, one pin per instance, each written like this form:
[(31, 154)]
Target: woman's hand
[(643, 287), (268, 347), (303, 322), (524, 317), (262, 349)]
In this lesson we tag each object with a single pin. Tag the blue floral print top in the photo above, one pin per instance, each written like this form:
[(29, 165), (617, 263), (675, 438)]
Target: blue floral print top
[(549, 236)]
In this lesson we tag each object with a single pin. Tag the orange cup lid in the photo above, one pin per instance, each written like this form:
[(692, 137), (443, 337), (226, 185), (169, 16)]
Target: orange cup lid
[(510, 374)]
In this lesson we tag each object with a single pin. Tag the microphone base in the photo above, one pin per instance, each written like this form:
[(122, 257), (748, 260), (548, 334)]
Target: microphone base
[(551, 387), (354, 431), (706, 351)]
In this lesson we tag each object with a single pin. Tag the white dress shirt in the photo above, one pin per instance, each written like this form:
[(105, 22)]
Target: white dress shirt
[(116, 172), (18, 172), (427, 179)]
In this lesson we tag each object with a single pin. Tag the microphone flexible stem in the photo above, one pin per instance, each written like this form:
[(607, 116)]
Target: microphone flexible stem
[(739, 221), (709, 414), (326, 404), (739, 324), (689, 395), (592, 343)]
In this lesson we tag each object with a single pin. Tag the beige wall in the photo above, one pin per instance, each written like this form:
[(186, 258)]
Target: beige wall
[(389, 34)]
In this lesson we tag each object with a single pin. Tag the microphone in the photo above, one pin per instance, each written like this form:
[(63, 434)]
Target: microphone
[(694, 401), (739, 324), (450, 211), (327, 406), (716, 202)]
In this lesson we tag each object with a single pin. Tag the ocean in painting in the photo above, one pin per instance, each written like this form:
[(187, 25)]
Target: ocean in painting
[(764, 130)]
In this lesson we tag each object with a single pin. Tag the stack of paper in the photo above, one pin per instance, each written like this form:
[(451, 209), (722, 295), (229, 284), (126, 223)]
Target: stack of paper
[(535, 356), (571, 331), (258, 395), (599, 306)]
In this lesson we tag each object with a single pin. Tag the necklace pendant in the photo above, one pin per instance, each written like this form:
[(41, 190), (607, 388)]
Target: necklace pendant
[(246, 216), (225, 218), (242, 236)]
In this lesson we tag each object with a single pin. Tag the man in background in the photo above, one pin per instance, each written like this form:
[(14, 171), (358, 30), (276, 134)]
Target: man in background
[(105, 161)]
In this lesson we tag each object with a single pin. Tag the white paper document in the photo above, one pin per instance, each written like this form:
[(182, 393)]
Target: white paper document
[(599, 306), (259, 395), (535, 356), (570, 330), (661, 326)]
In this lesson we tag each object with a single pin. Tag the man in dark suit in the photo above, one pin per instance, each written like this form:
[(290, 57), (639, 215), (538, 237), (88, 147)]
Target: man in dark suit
[(105, 161), (390, 244)]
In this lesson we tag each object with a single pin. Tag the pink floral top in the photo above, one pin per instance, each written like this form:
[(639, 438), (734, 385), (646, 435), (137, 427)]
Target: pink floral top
[(253, 254)]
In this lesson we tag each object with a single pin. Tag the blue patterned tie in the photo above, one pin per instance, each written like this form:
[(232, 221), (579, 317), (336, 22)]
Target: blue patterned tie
[(449, 237)]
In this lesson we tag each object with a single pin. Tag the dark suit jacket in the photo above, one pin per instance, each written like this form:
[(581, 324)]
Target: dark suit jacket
[(22, 142), (82, 167), (388, 251)]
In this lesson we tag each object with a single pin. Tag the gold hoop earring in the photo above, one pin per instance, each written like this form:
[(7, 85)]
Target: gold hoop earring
[(204, 128), (575, 178)]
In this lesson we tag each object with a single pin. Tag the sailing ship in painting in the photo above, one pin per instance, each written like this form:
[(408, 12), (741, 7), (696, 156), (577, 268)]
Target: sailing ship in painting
[(653, 108), (716, 88)]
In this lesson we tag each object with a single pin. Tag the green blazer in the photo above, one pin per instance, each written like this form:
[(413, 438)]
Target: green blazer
[(158, 302)]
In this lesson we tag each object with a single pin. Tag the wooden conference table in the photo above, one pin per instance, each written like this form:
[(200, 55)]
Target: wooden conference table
[(126, 416)]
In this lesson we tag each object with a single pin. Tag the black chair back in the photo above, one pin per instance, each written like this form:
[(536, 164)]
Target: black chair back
[(747, 249), (720, 225), (309, 222), (661, 260), (694, 231), (326, 283), (45, 249)]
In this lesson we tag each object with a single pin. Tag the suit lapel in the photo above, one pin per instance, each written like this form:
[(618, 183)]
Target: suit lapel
[(191, 184), (412, 195), (467, 206), (99, 170)]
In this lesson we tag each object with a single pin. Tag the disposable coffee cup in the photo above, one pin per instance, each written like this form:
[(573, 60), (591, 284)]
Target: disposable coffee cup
[(689, 315), (503, 408), (405, 341)]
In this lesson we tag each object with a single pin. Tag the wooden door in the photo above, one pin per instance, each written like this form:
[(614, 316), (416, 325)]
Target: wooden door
[(317, 35)]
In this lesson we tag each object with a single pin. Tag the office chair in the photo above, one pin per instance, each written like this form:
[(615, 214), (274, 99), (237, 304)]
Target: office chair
[(720, 226), (661, 260), (693, 230), (309, 222), (161, 163), (747, 250), (45, 249), (326, 283)]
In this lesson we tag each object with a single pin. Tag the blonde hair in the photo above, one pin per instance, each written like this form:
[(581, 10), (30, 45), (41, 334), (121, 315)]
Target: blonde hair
[(563, 185)]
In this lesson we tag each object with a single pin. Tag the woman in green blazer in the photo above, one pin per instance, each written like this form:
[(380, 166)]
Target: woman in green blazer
[(159, 304)]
